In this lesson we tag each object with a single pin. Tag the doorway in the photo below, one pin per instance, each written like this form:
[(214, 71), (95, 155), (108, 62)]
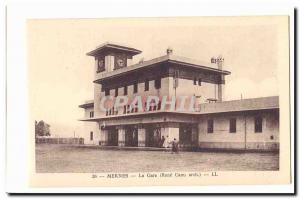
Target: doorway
[(113, 136), (153, 137), (185, 134), (131, 136)]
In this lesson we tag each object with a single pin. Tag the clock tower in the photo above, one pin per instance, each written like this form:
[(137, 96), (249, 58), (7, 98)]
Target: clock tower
[(109, 57)]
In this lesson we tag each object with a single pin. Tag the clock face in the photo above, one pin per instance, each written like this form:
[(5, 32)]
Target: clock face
[(120, 62)]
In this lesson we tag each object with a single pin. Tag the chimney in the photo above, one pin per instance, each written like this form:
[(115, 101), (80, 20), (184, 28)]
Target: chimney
[(219, 61)]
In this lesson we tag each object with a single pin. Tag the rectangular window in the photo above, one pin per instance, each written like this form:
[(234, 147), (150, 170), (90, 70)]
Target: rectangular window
[(195, 81), (91, 135), (125, 90), (199, 81), (135, 88), (106, 92), (210, 126), (116, 92), (124, 109), (232, 125), (258, 124), (146, 85), (92, 114), (128, 108), (157, 83)]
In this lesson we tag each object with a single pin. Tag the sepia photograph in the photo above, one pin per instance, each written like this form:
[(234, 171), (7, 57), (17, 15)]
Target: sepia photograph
[(150, 98), (118, 102), (135, 96)]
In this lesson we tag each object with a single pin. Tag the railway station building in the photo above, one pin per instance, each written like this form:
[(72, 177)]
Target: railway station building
[(209, 122)]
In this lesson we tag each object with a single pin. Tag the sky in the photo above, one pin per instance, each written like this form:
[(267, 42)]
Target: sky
[(61, 75)]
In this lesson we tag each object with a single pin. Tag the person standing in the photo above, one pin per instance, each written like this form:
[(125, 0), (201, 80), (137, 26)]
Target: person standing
[(175, 146), (166, 142), (162, 142)]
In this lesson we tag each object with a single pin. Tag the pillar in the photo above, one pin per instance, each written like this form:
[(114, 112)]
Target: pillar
[(129, 62), (103, 137), (141, 137), (121, 137), (109, 63)]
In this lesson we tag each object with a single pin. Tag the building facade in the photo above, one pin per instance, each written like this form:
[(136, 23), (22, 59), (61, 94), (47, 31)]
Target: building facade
[(155, 109)]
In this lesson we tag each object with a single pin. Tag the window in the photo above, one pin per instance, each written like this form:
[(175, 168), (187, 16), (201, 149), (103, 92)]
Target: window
[(258, 124), (146, 85), (210, 126), (116, 92), (92, 114), (91, 135), (128, 108), (106, 92), (159, 105), (157, 83), (124, 109), (125, 90), (232, 125), (135, 88), (199, 81), (195, 81)]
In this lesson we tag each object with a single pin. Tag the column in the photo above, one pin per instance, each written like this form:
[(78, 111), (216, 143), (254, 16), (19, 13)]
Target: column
[(103, 137), (141, 137), (121, 136), (109, 63), (129, 62)]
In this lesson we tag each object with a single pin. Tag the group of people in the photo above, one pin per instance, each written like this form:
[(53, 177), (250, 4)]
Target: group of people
[(166, 143)]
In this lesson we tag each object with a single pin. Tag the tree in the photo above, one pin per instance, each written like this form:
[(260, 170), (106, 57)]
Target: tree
[(42, 128)]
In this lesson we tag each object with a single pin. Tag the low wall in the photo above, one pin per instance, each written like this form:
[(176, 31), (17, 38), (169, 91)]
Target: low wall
[(258, 146), (43, 140)]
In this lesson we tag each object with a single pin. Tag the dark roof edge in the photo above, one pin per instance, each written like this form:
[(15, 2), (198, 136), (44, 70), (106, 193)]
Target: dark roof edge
[(114, 46), (225, 72), (87, 104)]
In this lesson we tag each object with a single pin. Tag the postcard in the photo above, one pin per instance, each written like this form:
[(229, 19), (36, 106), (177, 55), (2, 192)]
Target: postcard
[(159, 101)]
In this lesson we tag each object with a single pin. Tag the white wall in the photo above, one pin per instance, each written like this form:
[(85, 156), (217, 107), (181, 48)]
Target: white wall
[(221, 134), (206, 90), (88, 127)]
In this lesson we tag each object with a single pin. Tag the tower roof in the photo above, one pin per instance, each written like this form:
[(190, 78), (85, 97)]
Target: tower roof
[(178, 60), (114, 47)]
